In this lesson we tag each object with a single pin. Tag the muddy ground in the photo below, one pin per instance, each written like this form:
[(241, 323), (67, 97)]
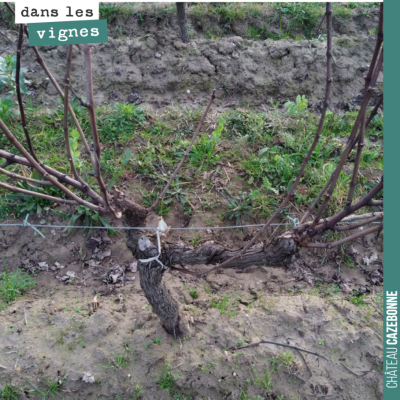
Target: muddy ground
[(52, 332)]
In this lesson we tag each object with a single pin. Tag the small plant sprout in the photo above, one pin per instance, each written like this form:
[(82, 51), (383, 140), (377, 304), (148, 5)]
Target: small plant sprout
[(167, 381)]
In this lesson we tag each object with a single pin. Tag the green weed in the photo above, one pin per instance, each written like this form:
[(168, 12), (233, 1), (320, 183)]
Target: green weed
[(223, 305), (203, 153), (241, 208), (150, 197), (120, 360), (207, 367), (286, 360), (120, 124), (14, 284), (52, 388), (10, 392), (90, 218), (7, 79), (357, 299), (20, 204), (244, 124), (137, 394), (207, 289), (296, 108), (167, 381)]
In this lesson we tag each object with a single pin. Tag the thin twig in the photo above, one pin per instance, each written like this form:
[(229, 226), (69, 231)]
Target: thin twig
[(355, 226), (291, 192), (18, 90), (177, 169), (14, 159), (370, 82), (95, 135), (316, 200), (278, 344), (332, 221), (362, 134), (41, 62), (305, 362), (26, 321), (344, 240), (375, 110), (16, 189), (82, 103), (65, 125), (39, 167), (355, 236), (24, 178), (358, 376), (295, 376)]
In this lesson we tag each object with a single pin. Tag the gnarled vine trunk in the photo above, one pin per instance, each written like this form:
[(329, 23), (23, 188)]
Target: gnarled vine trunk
[(279, 252)]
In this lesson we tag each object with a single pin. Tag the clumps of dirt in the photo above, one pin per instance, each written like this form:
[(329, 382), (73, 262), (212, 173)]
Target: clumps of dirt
[(154, 68), (104, 337)]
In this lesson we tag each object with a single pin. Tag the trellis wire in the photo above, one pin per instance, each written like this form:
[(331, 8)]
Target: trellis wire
[(34, 226)]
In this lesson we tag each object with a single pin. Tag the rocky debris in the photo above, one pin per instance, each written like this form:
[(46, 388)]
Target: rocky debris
[(301, 272), (88, 377), (370, 260), (116, 274), (133, 266), (98, 241), (101, 255), (374, 277), (135, 97), (69, 277), (345, 106), (57, 266), (344, 283), (33, 266)]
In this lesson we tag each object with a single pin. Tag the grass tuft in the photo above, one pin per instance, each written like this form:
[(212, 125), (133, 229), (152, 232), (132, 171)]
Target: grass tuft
[(14, 284)]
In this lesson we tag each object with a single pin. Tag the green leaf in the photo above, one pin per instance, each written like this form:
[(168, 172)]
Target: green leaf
[(75, 134), (113, 180), (72, 221), (86, 221), (106, 224)]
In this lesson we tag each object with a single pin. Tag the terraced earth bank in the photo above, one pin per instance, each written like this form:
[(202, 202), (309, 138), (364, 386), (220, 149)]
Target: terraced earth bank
[(144, 60)]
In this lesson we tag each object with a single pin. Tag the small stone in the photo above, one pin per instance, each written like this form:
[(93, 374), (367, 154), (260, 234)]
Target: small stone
[(157, 55), (235, 55), (188, 91), (234, 374), (88, 377)]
